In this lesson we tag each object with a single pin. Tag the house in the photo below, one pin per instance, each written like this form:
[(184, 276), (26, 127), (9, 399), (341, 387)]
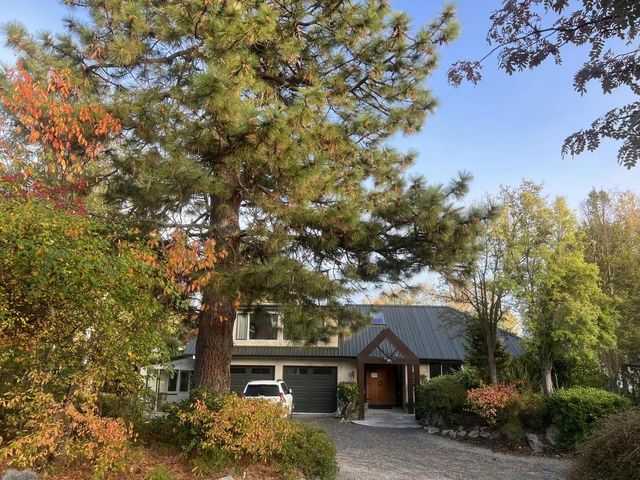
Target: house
[(402, 346)]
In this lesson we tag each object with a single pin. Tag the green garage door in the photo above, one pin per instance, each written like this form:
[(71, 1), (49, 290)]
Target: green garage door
[(240, 375), (314, 388)]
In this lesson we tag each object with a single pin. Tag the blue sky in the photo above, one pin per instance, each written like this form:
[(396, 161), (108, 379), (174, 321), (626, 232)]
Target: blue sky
[(503, 130)]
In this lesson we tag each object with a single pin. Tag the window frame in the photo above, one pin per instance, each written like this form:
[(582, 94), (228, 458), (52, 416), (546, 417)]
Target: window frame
[(246, 336)]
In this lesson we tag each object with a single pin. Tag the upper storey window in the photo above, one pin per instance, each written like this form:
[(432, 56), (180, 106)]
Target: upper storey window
[(257, 325), (263, 326)]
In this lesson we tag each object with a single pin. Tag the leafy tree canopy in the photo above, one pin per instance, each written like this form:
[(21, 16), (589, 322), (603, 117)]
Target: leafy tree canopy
[(527, 32), (78, 303)]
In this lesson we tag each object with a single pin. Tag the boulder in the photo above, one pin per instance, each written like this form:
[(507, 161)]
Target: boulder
[(485, 434), (551, 434), (494, 435), (452, 433), (12, 474), (534, 442), (462, 433), (433, 430), (474, 433), (446, 432)]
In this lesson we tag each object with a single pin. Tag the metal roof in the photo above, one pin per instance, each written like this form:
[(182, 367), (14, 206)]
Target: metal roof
[(432, 333)]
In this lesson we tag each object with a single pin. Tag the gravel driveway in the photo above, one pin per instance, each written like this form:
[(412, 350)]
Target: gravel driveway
[(370, 453)]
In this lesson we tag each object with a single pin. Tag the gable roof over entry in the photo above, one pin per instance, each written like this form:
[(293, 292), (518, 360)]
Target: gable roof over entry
[(432, 333)]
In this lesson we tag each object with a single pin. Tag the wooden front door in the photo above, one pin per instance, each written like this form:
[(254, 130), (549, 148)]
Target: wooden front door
[(381, 385)]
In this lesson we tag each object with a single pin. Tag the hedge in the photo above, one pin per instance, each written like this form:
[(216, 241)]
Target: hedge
[(575, 410), (440, 400)]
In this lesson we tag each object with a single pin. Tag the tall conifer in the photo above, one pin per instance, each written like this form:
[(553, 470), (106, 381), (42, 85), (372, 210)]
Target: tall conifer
[(264, 125)]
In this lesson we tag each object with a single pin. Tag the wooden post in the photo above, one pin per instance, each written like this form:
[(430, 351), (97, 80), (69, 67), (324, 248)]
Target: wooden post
[(410, 389), (361, 380)]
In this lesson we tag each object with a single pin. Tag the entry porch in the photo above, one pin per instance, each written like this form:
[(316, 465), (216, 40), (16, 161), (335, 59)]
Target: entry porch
[(388, 372)]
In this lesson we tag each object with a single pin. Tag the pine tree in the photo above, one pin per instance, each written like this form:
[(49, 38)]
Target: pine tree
[(264, 126)]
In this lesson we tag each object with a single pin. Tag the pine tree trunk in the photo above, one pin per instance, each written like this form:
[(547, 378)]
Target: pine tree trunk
[(214, 348), (547, 377), (215, 345)]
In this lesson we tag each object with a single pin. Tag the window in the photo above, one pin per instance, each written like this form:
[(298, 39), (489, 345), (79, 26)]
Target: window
[(450, 368), (322, 371), (184, 380), (285, 389), (173, 381), (262, 391), (435, 370), (261, 370), (242, 325), (263, 326), (238, 370)]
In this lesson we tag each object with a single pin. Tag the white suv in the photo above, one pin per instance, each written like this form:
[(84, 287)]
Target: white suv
[(271, 390)]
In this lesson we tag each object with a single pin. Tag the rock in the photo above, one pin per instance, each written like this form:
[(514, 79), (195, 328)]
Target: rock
[(534, 442), (12, 474), (494, 435), (227, 477), (551, 434), (446, 432), (462, 433), (474, 433), (485, 434), (452, 433), (433, 430)]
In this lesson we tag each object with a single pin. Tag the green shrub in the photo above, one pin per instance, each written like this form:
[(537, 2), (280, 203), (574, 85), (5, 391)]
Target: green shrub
[(124, 405), (348, 396), (159, 473), (309, 449), (575, 410), (512, 429), (469, 377), (440, 400), (533, 411), (169, 429), (611, 452)]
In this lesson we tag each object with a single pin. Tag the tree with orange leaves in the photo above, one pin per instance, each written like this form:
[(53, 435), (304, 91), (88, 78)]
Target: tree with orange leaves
[(51, 140)]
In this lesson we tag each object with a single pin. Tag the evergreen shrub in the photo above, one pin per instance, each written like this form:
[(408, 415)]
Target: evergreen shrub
[(575, 411), (441, 397)]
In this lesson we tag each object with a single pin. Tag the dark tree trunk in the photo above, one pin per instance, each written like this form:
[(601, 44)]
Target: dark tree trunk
[(215, 345), (214, 348)]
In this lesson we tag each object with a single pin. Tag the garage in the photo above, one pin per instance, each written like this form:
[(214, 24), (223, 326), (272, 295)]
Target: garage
[(314, 388), (240, 375)]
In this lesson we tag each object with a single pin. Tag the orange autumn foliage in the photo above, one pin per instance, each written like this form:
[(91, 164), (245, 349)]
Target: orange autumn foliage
[(187, 264), (240, 427), (66, 432), (49, 115), (489, 401)]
